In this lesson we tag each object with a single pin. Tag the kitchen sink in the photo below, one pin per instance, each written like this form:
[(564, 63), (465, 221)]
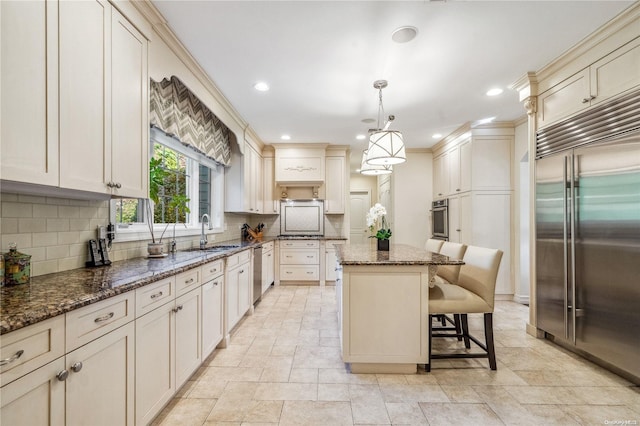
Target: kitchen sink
[(214, 249)]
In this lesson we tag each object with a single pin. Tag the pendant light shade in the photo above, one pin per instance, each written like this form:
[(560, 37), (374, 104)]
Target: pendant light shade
[(386, 147), (373, 170)]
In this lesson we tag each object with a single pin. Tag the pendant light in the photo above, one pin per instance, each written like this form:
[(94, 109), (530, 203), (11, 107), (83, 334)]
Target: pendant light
[(386, 147), (373, 170)]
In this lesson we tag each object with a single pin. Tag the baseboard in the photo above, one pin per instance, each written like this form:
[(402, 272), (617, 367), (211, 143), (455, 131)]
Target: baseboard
[(508, 297), (524, 300)]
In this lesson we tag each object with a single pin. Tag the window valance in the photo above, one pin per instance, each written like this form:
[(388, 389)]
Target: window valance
[(177, 111)]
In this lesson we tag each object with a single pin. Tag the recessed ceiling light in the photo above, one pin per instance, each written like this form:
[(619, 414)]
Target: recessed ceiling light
[(436, 135), (285, 137), (404, 34), (360, 137), (485, 120), (494, 92), (261, 86)]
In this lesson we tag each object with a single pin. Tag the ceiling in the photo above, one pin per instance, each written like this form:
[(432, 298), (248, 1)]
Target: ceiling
[(320, 59)]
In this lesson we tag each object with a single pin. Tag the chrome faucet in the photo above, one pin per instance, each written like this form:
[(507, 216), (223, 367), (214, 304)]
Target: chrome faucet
[(203, 237)]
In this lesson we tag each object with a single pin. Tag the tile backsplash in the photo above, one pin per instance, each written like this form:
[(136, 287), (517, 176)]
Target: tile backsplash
[(55, 231)]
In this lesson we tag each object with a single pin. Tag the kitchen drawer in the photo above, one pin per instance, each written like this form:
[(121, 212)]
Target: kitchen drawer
[(304, 244), (299, 257), (89, 323), (31, 347), (237, 259), (187, 281), (299, 273), (153, 295), (212, 270), (267, 246)]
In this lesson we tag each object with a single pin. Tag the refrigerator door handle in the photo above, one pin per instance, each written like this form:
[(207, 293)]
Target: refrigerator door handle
[(565, 249), (573, 202)]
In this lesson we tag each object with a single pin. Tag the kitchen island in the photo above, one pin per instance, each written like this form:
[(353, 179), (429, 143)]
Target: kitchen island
[(383, 306)]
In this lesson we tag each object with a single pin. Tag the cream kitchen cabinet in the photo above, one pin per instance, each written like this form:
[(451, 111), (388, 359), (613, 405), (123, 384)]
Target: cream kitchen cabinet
[(268, 265), (459, 168), (330, 261), (168, 347), (299, 260), (243, 182), (100, 385), (335, 184), (212, 307), (300, 165), (614, 74), (238, 282), (103, 101), (440, 176), (271, 197), (74, 101), (29, 81)]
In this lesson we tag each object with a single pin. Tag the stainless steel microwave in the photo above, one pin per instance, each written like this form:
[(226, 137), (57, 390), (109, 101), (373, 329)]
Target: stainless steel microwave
[(302, 217)]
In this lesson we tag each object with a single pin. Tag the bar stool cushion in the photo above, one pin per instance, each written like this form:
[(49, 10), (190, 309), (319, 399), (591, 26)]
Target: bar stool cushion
[(452, 299)]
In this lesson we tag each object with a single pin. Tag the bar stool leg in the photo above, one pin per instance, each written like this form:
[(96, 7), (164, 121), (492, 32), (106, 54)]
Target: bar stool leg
[(465, 330), (427, 367), (488, 335)]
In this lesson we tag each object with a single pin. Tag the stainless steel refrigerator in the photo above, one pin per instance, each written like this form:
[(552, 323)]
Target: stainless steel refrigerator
[(588, 245)]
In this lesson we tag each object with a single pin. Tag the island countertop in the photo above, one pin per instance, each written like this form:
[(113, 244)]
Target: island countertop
[(398, 254)]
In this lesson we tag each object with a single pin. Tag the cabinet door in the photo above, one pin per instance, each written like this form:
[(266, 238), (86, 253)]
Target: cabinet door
[(35, 399), (84, 86), (334, 185), (616, 73), (29, 81), (212, 310), (100, 386), (129, 101), (564, 99), (465, 166), (271, 197), (231, 298), (245, 284), (267, 270), (188, 330), (453, 162), (440, 179), (257, 192), (454, 220), (330, 264), (155, 378), (465, 220)]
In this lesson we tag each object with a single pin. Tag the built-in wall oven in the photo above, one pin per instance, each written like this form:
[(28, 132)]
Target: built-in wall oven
[(440, 219)]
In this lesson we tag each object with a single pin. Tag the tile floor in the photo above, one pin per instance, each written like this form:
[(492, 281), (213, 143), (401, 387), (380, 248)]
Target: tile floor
[(283, 366)]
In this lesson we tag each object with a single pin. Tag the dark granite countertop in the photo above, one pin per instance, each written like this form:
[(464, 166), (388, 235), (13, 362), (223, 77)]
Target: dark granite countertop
[(308, 237), (398, 254), (50, 295)]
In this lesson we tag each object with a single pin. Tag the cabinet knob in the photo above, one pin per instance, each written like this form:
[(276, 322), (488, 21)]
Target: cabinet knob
[(458, 189), (62, 376), (76, 367), (457, 230), (118, 185), (585, 100)]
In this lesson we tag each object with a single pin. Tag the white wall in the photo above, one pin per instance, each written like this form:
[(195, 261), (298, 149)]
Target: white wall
[(521, 211), (412, 193)]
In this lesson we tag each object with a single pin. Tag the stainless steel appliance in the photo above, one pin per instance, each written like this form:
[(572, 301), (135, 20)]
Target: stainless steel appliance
[(440, 219), (588, 237), (257, 273), (302, 217)]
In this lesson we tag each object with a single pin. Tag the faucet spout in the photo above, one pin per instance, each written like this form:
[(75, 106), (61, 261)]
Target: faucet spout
[(203, 237)]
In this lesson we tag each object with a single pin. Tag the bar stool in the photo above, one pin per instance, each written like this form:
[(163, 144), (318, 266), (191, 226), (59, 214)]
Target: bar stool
[(433, 245), (474, 293)]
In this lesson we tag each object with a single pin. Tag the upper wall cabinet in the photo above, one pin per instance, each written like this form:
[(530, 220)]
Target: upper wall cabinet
[(75, 88), (610, 76), (243, 181), (299, 166), (103, 101), (335, 183), (29, 81)]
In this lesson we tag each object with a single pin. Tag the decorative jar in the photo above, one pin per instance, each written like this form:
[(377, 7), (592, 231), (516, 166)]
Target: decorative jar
[(17, 266)]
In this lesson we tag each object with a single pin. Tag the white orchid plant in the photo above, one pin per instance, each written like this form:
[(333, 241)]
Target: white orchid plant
[(377, 213)]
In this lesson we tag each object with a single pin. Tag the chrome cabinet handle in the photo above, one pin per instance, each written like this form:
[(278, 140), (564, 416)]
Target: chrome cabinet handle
[(211, 271), (215, 283), (76, 367), (177, 308), (241, 271), (309, 257), (104, 317), (11, 358), (158, 294), (457, 230), (585, 100), (118, 185), (289, 272), (309, 273), (189, 281), (62, 376)]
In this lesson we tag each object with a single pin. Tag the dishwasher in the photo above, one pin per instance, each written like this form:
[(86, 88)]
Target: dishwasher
[(257, 273)]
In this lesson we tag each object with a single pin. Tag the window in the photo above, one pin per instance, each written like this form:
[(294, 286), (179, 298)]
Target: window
[(186, 175)]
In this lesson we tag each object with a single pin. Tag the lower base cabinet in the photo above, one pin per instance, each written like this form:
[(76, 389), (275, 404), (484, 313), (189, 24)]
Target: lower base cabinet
[(100, 386), (39, 393), (167, 352), (238, 299), (212, 320)]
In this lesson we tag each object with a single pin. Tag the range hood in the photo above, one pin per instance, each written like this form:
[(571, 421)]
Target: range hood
[(299, 166)]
